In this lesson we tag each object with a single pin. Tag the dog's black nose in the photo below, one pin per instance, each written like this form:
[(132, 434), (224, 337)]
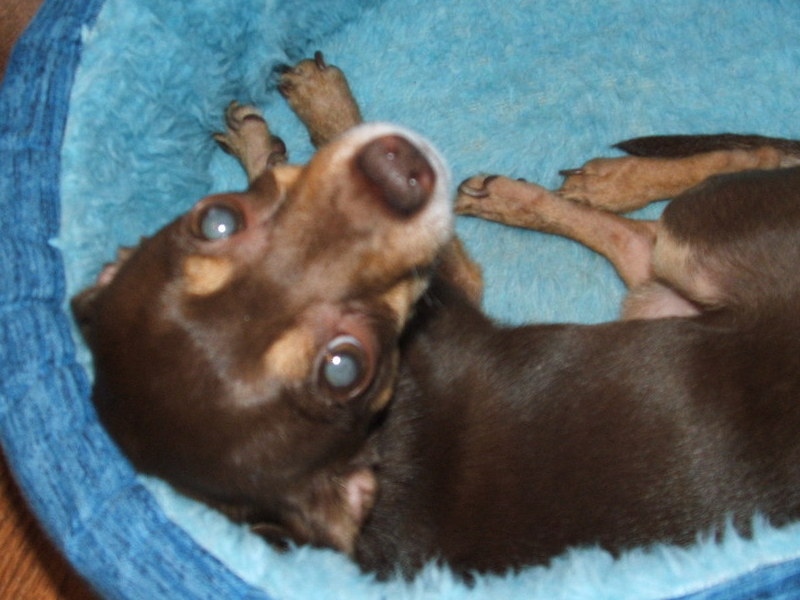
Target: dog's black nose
[(401, 172)]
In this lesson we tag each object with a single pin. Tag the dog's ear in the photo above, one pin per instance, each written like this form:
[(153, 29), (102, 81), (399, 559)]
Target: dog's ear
[(83, 304), (359, 491), (328, 511)]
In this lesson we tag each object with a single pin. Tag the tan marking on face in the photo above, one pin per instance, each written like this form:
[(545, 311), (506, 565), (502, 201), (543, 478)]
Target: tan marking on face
[(383, 396), (382, 399), (206, 274), (286, 175), (291, 356)]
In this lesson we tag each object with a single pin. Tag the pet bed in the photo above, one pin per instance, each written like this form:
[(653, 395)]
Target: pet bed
[(105, 116)]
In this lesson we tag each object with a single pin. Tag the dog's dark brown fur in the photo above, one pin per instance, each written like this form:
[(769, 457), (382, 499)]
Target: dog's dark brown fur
[(484, 446), (508, 446)]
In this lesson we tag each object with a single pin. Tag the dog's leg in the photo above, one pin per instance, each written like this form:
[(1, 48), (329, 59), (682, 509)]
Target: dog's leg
[(630, 245), (320, 96), (630, 182), (458, 268), (665, 166), (248, 138), (627, 244)]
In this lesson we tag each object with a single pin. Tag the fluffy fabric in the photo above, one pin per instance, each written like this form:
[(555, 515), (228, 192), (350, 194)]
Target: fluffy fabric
[(517, 88)]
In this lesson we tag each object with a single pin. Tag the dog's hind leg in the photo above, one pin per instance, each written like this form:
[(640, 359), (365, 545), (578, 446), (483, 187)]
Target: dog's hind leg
[(730, 243), (733, 242), (662, 167), (626, 243)]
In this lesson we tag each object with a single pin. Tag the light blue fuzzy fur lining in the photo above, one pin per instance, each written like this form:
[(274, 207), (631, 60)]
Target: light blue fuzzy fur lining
[(518, 88)]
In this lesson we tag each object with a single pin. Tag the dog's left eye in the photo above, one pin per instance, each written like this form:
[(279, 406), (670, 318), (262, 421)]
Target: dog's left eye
[(219, 221), (344, 369)]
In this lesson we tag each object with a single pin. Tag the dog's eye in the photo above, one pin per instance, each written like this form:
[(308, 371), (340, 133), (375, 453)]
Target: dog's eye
[(219, 221), (344, 370)]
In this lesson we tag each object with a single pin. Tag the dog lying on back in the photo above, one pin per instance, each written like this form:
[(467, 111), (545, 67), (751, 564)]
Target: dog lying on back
[(308, 356)]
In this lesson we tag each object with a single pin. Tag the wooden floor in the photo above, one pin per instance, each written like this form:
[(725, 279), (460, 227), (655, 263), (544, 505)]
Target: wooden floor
[(30, 567)]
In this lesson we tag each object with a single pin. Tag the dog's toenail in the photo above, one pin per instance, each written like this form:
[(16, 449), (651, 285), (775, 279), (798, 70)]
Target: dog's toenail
[(278, 153), (472, 192), (278, 145), (253, 117), (319, 58), (570, 172)]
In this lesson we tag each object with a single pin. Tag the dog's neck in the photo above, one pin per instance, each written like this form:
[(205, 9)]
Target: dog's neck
[(422, 426)]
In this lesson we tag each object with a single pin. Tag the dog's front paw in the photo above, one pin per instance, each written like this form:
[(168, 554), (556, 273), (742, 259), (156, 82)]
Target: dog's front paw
[(613, 184), (472, 193), (512, 202), (247, 137), (519, 203), (320, 96)]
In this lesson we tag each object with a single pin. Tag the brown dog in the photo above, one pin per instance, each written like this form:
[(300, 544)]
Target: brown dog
[(267, 353)]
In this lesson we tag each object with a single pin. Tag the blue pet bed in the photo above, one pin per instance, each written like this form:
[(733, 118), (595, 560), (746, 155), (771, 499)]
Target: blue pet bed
[(105, 116)]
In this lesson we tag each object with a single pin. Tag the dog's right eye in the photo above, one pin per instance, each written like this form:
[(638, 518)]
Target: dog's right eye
[(344, 370), (218, 222)]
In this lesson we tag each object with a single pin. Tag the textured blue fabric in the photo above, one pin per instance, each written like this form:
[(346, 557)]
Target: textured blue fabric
[(776, 582), (516, 87)]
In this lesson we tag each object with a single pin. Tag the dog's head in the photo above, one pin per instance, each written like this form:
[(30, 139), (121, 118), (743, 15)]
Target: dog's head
[(251, 341)]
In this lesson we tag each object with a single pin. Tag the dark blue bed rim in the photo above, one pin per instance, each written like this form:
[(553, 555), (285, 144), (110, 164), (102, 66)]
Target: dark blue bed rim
[(84, 493)]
